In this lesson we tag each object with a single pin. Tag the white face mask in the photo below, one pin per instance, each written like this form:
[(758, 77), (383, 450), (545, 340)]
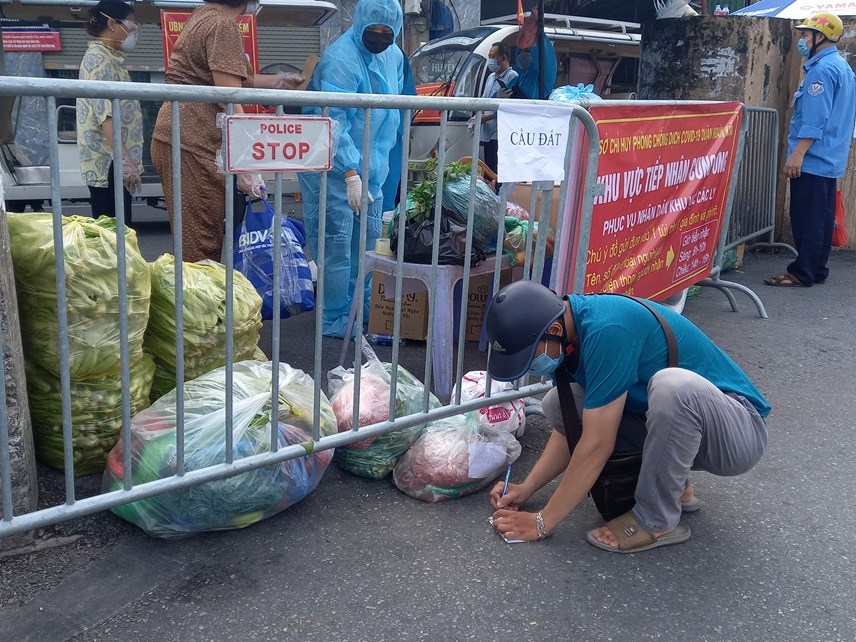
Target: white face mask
[(132, 29)]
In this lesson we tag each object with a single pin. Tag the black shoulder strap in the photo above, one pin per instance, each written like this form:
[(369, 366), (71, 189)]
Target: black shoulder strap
[(570, 417)]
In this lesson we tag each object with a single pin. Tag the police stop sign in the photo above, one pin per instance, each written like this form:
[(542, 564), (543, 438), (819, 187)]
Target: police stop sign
[(259, 143)]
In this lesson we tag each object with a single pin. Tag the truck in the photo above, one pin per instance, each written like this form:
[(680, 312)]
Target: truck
[(288, 32)]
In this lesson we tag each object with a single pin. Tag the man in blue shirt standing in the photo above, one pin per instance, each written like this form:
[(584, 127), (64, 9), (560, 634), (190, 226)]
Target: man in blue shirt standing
[(818, 145)]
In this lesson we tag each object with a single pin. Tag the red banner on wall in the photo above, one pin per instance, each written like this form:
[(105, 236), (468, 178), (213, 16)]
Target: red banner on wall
[(172, 22), (665, 172)]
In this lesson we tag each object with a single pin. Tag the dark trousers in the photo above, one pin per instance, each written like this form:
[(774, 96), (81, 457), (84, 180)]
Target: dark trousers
[(812, 220), (490, 150), (102, 202)]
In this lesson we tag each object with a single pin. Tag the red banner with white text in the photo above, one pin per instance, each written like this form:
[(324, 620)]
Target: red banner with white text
[(665, 172)]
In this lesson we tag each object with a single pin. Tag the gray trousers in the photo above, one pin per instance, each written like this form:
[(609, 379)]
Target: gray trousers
[(691, 425)]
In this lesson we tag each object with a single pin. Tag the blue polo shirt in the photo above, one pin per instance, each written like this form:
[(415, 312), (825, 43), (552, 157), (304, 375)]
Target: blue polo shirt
[(622, 345), (825, 109)]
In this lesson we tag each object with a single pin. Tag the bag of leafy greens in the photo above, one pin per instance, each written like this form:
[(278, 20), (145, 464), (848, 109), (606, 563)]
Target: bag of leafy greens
[(92, 292), (96, 414), (204, 320)]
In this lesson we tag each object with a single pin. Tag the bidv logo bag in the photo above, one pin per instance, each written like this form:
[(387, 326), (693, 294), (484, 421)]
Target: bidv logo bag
[(254, 258)]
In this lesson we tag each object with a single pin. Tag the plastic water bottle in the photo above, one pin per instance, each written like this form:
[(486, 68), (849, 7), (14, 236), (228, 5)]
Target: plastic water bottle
[(383, 339), (725, 10), (718, 10)]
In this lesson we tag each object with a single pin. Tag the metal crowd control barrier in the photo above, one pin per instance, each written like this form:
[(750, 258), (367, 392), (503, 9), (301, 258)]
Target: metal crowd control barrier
[(12, 523), (753, 209), (578, 189)]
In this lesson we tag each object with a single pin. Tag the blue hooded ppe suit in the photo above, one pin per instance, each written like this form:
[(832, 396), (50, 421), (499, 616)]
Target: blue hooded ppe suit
[(346, 66)]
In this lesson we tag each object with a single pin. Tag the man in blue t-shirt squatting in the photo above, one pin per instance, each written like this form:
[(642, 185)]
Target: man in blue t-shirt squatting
[(704, 414)]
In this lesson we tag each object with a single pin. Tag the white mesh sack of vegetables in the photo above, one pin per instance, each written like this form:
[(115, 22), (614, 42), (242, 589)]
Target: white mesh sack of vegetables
[(237, 501), (204, 320), (454, 457), (96, 414), (375, 457), (509, 416), (92, 292)]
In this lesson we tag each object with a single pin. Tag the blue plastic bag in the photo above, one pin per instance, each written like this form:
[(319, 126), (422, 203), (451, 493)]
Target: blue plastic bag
[(254, 245), (568, 93)]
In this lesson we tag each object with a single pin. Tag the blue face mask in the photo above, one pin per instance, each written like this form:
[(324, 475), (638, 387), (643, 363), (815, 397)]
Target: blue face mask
[(544, 364), (802, 47), (492, 65)]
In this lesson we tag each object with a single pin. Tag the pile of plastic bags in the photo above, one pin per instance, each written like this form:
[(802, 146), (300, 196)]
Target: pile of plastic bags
[(204, 320), (375, 457), (234, 502), (92, 311)]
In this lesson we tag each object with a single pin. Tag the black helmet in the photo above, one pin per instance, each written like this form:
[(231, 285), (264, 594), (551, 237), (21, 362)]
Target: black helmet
[(516, 319)]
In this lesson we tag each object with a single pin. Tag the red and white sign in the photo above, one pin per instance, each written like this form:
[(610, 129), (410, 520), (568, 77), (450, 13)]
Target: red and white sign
[(256, 143), (665, 172), (172, 24), (31, 40)]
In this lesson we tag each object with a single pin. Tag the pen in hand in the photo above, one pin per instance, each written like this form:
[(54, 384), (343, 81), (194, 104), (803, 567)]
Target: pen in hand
[(507, 478)]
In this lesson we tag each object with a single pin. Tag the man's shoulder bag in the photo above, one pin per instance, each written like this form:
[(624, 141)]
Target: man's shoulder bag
[(614, 490)]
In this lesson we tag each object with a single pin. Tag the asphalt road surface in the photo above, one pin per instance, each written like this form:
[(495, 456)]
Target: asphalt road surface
[(770, 557)]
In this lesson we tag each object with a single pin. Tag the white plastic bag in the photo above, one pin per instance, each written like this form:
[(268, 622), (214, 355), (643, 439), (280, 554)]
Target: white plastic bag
[(508, 416)]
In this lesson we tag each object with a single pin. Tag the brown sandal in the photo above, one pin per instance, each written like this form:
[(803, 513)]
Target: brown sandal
[(633, 537), (786, 280)]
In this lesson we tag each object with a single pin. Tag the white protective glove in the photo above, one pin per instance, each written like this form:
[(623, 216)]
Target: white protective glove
[(354, 189), (287, 80), (251, 184), (471, 125), (131, 175)]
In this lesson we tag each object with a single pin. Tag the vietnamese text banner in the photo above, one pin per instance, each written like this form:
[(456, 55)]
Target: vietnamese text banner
[(665, 172), (532, 142)]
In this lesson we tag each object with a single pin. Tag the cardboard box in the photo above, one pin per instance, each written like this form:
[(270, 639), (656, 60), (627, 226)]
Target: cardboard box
[(414, 308), (477, 300), (414, 305), (522, 195)]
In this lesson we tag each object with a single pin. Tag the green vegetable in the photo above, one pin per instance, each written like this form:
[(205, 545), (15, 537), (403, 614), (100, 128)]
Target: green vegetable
[(204, 320), (96, 414), (92, 292)]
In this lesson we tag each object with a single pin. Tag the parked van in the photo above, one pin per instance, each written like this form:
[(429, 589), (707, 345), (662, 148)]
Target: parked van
[(288, 33), (603, 53)]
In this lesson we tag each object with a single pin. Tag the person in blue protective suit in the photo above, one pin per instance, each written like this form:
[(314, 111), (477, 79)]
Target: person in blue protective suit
[(526, 66), (391, 187), (818, 145), (361, 61)]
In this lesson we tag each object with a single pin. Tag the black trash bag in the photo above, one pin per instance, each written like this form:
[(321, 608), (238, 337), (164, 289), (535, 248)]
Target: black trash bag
[(419, 240)]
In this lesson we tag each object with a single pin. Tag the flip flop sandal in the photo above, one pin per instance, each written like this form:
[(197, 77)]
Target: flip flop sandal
[(633, 537), (691, 505), (786, 280)]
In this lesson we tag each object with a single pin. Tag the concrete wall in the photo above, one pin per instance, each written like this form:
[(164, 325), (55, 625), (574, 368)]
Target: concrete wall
[(753, 60), (23, 461)]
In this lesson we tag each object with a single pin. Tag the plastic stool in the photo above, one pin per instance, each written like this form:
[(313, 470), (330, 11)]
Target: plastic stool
[(447, 277)]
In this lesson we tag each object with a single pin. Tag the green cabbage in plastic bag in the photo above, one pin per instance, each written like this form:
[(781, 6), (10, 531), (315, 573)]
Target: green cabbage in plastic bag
[(96, 414), (242, 499), (92, 292), (204, 320)]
